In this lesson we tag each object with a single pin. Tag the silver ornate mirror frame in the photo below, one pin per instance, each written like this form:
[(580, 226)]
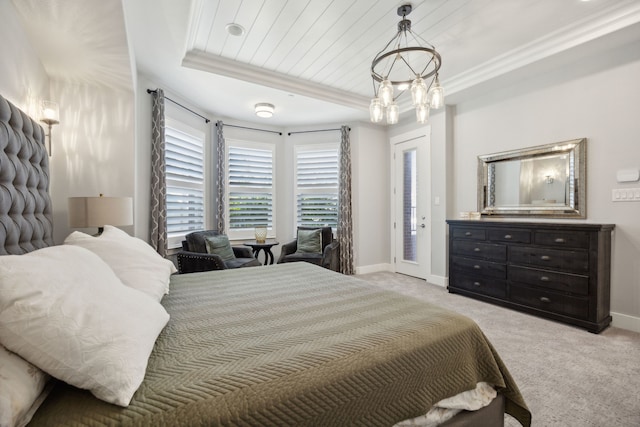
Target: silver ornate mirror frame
[(543, 181)]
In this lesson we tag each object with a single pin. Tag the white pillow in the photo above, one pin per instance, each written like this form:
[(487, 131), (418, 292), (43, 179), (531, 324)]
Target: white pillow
[(133, 260), (21, 384), (65, 311)]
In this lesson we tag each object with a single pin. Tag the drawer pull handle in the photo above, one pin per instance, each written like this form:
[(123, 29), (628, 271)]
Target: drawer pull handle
[(545, 257), (476, 283), (545, 299), (476, 249), (507, 236), (477, 267), (544, 279), (468, 233), (559, 240)]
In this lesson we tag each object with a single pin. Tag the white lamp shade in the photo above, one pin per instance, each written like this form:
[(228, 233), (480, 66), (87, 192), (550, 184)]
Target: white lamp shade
[(393, 112), (422, 113), (49, 112), (436, 96), (87, 212), (418, 92), (375, 110), (385, 93)]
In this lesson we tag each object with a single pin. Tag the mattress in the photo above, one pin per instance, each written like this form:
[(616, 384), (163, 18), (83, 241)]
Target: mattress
[(295, 344)]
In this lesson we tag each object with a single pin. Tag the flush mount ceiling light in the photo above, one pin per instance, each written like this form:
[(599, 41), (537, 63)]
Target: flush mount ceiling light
[(265, 110), (404, 66), (234, 29)]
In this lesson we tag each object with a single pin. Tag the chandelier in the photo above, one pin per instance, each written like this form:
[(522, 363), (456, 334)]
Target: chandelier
[(405, 67)]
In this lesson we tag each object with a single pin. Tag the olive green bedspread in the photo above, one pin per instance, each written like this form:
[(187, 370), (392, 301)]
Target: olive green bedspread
[(295, 344)]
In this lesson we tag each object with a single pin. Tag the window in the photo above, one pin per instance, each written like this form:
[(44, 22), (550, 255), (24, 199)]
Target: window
[(250, 188), (184, 156), (317, 185)]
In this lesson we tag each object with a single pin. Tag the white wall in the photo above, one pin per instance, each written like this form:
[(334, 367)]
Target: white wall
[(596, 98), (370, 197), (92, 148), (23, 81)]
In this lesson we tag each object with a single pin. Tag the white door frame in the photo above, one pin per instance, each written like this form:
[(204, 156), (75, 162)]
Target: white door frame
[(423, 164)]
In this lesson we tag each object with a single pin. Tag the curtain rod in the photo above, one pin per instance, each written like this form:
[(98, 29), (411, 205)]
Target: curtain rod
[(259, 130), (206, 120), (319, 130)]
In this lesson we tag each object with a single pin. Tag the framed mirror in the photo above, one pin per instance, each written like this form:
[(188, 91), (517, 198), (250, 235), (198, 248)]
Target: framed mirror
[(547, 180)]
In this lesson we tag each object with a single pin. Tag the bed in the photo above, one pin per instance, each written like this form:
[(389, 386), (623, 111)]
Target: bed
[(288, 344)]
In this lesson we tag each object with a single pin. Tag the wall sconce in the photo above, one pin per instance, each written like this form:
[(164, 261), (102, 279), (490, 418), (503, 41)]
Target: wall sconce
[(87, 212), (50, 115)]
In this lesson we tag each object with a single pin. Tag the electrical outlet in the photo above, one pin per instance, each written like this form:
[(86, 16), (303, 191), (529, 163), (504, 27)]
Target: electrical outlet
[(625, 194)]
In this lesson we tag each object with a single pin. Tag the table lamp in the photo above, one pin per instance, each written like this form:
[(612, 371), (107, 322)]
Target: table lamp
[(85, 212)]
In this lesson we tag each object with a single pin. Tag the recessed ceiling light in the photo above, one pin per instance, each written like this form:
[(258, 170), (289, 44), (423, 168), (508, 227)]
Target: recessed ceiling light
[(264, 110), (234, 29)]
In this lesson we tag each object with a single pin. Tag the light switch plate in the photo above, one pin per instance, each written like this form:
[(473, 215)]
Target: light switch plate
[(625, 194)]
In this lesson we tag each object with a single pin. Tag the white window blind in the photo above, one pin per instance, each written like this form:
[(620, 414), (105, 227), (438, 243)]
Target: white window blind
[(317, 186), (184, 156), (251, 188)]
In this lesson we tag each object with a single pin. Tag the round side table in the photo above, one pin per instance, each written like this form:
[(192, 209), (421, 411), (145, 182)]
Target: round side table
[(265, 247)]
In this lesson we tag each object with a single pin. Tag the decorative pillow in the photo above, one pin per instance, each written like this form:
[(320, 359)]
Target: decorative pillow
[(135, 263), (21, 384), (309, 241), (65, 311), (219, 245)]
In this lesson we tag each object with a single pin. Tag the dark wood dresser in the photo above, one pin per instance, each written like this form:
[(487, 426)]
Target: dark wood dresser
[(559, 271)]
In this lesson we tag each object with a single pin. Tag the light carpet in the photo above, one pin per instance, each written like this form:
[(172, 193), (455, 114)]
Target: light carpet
[(568, 376)]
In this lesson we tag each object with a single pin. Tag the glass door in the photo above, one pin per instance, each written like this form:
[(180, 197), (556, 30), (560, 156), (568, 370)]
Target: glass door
[(410, 198)]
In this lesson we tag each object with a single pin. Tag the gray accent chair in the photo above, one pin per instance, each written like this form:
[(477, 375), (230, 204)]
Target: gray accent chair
[(194, 257), (327, 259)]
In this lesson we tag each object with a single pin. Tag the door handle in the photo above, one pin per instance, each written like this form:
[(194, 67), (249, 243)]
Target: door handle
[(422, 226)]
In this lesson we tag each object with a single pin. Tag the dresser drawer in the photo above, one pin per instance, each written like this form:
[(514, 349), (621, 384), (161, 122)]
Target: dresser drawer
[(567, 261), (507, 235), (550, 301), (562, 239), (476, 267), (572, 283), (491, 287), (469, 233), (480, 250)]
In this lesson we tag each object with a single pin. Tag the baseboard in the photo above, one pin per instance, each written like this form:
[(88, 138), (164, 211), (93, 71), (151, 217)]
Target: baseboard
[(624, 321), (364, 269), (438, 280)]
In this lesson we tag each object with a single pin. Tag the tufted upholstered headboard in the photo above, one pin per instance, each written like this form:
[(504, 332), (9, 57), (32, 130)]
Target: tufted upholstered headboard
[(26, 221)]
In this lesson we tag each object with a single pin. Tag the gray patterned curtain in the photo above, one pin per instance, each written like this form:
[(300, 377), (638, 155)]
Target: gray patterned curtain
[(158, 223), (345, 224), (220, 202)]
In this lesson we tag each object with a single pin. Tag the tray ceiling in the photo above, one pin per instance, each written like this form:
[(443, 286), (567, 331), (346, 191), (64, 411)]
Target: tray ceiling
[(312, 58)]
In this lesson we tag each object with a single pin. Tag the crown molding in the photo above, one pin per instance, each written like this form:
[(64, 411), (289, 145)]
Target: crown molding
[(581, 32), (199, 60), (617, 17)]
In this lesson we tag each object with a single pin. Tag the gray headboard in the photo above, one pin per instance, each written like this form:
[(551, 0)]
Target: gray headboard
[(26, 221)]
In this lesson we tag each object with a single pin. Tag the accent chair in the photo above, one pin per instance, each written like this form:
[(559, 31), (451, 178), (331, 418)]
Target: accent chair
[(194, 256), (326, 255)]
